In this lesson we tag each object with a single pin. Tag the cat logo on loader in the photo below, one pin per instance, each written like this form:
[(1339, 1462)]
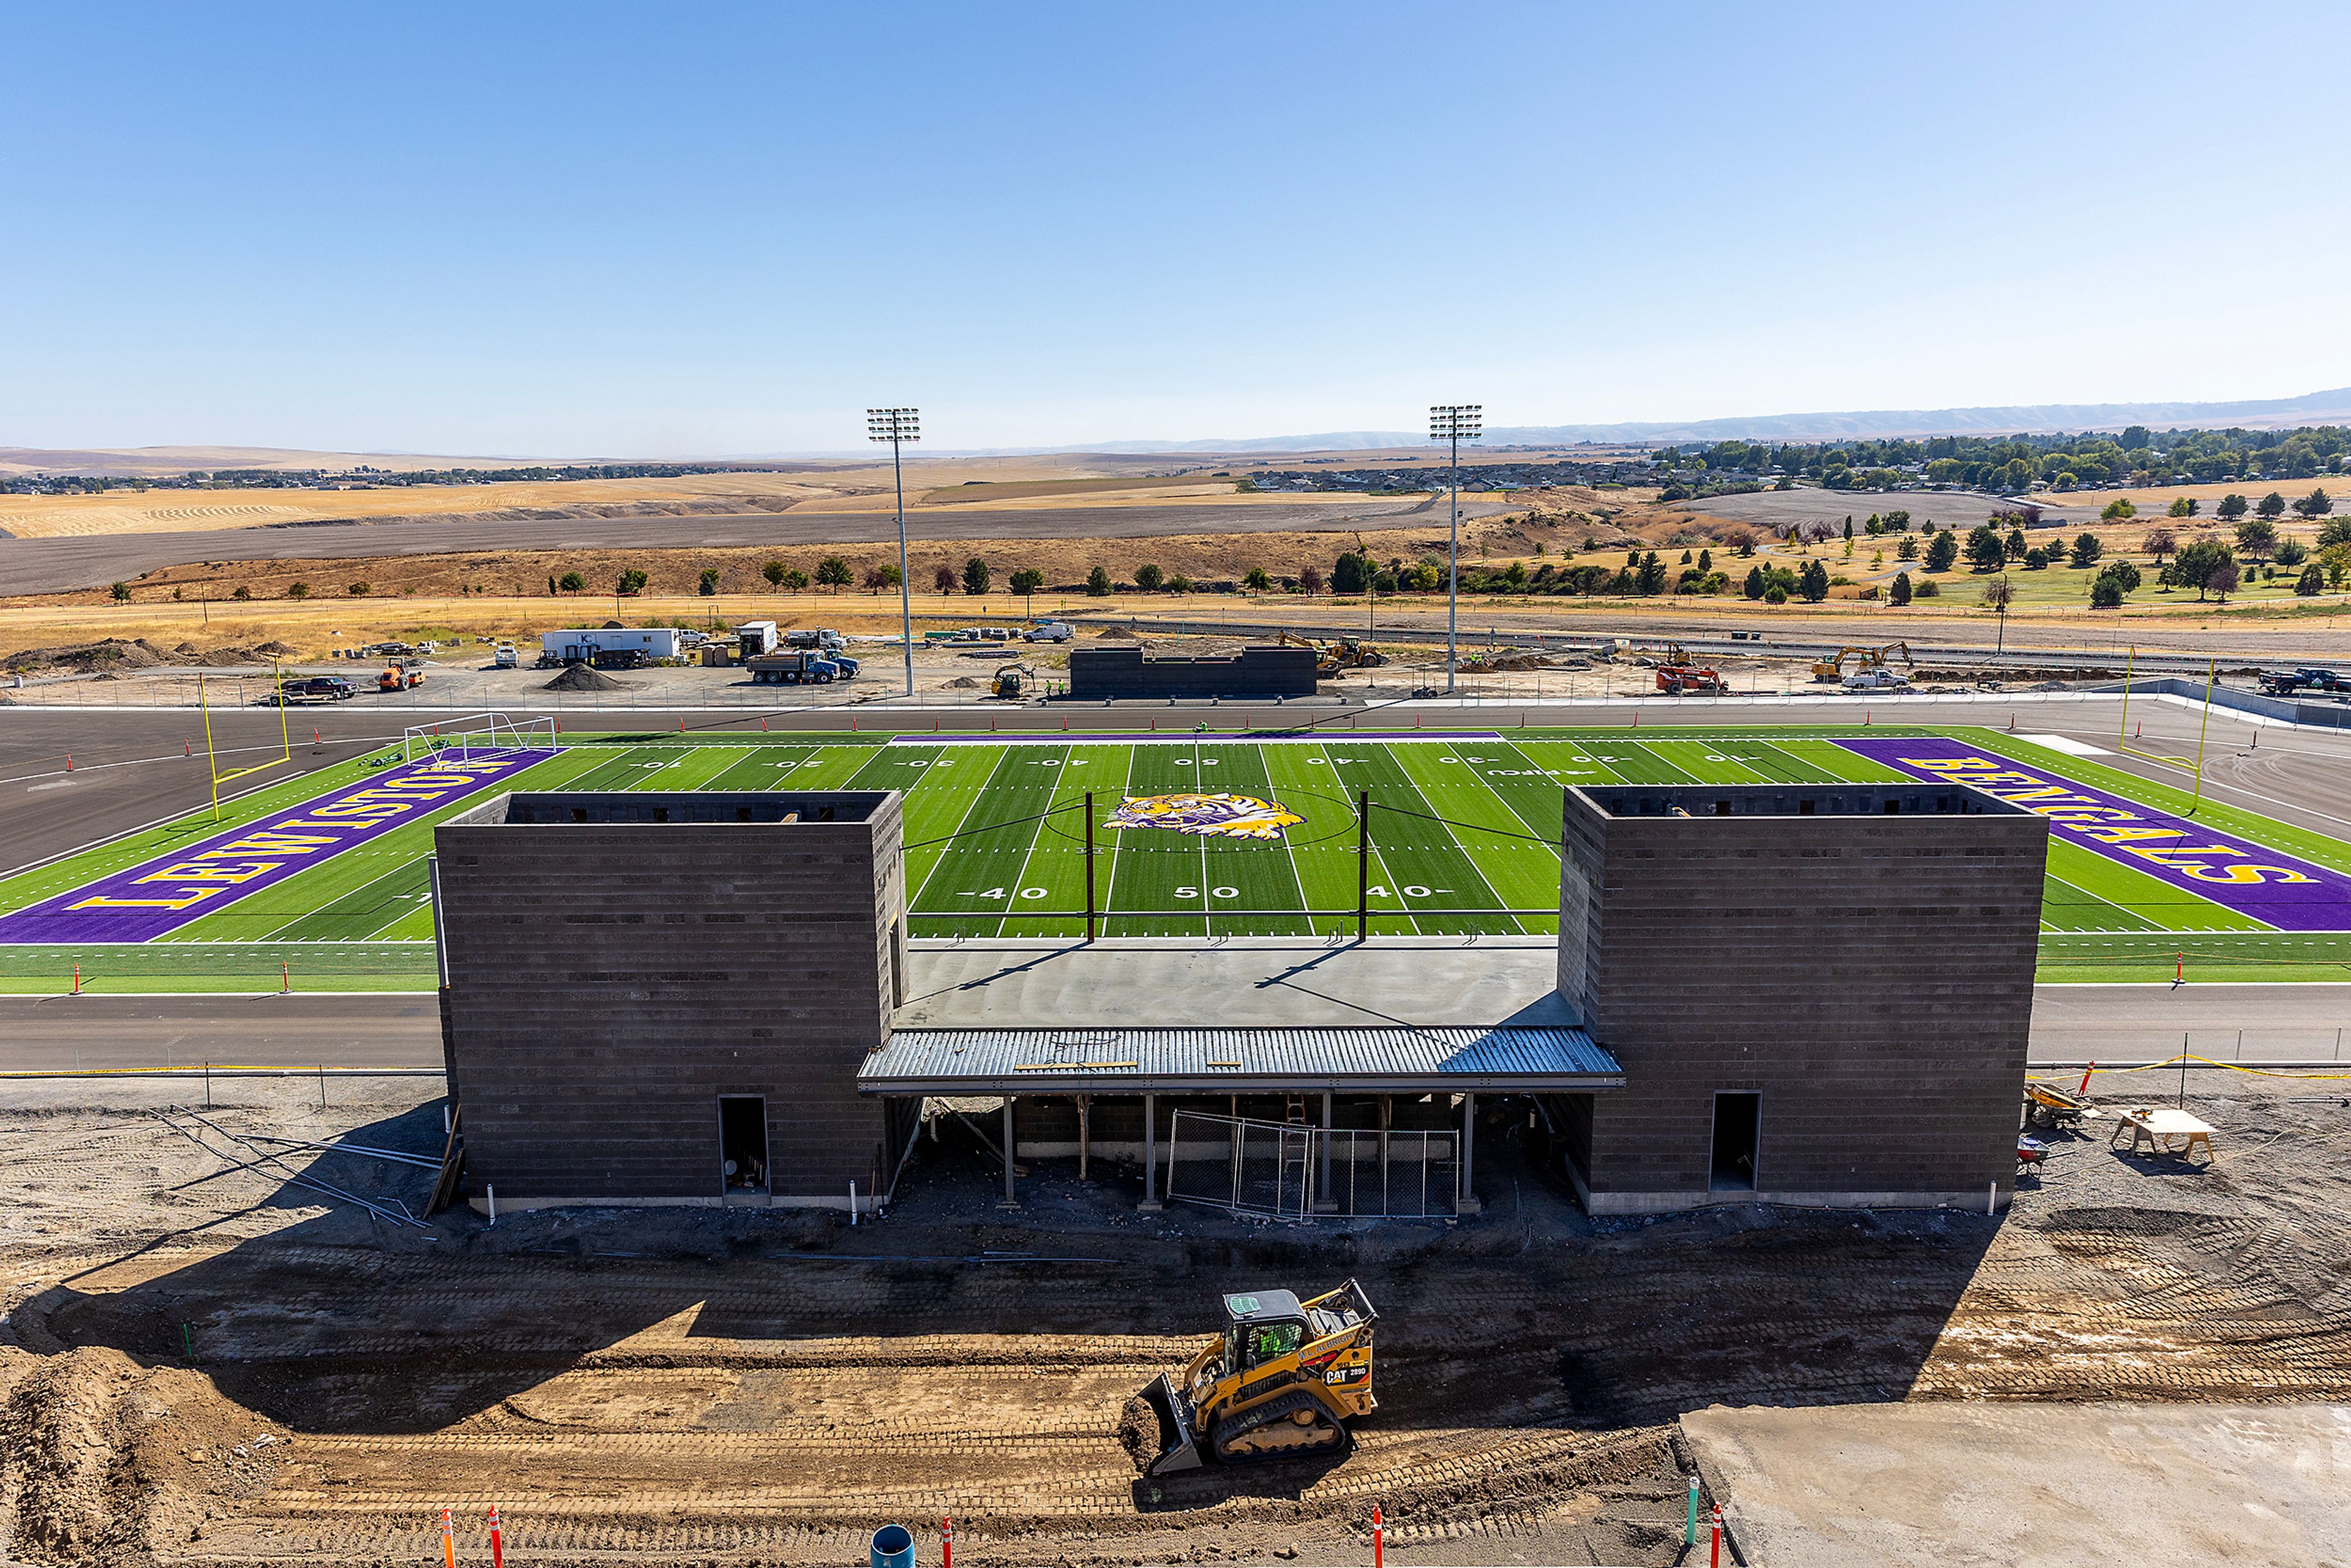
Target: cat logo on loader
[(1282, 1380)]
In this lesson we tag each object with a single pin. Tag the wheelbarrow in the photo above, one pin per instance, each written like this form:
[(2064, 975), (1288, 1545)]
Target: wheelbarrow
[(2046, 1105)]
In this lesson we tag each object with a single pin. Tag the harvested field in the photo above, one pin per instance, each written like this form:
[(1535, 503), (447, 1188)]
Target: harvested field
[(739, 1386), (83, 561)]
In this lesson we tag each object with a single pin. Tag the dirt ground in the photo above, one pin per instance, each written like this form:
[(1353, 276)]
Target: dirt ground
[(204, 1363)]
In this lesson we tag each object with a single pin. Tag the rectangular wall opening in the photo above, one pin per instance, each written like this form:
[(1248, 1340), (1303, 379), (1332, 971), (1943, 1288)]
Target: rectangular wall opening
[(742, 1144), (1738, 1128)]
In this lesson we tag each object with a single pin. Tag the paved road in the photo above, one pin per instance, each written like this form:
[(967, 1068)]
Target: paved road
[(71, 561), (2079, 637), (64, 1034), (404, 1030), (2105, 1023)]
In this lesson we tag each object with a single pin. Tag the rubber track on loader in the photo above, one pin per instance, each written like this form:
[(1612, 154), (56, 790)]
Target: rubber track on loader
[(1280, 1411)]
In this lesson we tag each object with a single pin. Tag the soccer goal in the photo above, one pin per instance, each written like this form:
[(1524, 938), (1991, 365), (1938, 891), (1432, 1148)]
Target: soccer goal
[(476, 735)]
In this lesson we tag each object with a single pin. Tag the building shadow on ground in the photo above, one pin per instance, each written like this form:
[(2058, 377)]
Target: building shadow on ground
[(1531, 1316)]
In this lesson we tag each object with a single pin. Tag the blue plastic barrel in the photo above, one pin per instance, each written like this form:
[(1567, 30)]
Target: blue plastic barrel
[(892, 1547)]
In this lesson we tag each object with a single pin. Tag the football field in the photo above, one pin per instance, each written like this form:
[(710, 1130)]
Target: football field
[(1198, 836)]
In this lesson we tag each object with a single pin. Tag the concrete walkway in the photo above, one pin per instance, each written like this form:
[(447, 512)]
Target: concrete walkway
[(2029, 1486)]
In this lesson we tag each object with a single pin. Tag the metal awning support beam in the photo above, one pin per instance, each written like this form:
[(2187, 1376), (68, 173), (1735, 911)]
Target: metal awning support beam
[(1011, 1198), (1151, 1152), (1464, 1197), (1112, 1082)]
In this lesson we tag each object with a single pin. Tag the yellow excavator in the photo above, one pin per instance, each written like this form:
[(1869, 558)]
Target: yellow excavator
[(1011, 681), (1333, 659), (1833, 667), (1282, 1380)]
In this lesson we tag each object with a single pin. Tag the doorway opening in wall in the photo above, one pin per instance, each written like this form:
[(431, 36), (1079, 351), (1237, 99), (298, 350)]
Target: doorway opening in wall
[(1738, 1125), (742, 1144)]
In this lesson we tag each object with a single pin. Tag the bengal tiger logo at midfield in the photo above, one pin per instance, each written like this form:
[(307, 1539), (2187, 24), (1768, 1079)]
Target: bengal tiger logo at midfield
[(1222, 816)]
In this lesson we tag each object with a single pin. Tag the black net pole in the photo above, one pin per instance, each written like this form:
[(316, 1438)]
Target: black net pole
[(1363, 864), (1090, 865)]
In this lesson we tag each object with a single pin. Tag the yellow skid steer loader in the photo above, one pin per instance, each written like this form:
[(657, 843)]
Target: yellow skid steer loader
[(1282, 1380)]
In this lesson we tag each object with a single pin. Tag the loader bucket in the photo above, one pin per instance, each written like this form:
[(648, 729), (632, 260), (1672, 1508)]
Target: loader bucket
[(1179, 1445)]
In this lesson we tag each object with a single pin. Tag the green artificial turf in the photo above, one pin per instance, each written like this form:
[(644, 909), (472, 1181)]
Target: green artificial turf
[(1463, 840)]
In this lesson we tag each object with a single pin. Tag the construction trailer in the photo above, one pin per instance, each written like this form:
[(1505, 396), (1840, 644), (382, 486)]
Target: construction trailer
[(753, 638), (598, 644)]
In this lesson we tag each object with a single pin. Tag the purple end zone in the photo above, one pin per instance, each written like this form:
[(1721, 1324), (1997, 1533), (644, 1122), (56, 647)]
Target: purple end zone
[(144, 902), (2279, 889)]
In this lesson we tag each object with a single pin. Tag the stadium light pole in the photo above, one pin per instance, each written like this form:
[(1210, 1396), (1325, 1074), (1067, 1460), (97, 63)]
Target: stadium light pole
[(898, 426), (1453, 423)]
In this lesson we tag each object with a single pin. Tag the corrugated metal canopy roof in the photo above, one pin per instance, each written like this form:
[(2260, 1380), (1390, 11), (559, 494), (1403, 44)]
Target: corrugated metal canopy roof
[(1403, 1059)]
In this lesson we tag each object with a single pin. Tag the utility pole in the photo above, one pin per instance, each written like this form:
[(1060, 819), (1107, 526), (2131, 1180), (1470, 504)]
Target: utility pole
[(1453, 423), (898, 426)]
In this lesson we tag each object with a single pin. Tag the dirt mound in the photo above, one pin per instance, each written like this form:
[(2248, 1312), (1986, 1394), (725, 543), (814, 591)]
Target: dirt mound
[(1138, 1432), (111, 1456), (586, 678), (967, 682), (277, 649), (106, 653), (1119, 634)]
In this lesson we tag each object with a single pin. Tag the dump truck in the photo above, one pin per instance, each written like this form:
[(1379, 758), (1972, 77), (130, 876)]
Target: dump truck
[(1282, 1380), (799, 668)]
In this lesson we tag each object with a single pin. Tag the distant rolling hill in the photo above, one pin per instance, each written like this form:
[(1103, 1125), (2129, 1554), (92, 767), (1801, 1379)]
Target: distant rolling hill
[(2313, 408)]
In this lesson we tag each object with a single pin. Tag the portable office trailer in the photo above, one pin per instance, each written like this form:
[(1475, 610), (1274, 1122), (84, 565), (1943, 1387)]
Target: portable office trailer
[(582, 644), (754, 638)]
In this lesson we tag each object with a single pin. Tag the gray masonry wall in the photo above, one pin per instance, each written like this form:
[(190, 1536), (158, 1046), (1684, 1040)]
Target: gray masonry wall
[(609, 978), (1272, 671), (1871, 975)]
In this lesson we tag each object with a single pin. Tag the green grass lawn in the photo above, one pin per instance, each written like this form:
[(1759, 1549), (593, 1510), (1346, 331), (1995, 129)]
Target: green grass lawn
[(1463, 841)]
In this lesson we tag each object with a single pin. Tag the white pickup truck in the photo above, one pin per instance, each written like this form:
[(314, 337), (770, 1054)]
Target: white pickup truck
[(1876, 679)]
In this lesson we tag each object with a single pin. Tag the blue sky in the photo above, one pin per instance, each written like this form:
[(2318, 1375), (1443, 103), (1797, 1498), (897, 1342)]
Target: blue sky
[(700, 229)]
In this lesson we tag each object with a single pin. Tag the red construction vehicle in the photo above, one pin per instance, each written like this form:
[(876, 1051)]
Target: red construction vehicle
[(1686, 679)]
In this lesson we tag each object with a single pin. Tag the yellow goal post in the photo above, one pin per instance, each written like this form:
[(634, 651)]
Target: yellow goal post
[(2193, 765)]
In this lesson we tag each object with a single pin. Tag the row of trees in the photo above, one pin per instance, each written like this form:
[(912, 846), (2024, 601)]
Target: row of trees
[(2139, 455), (834, 571)]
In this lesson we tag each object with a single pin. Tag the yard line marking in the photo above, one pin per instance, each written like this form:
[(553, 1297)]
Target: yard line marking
[(1036, 831), (321, 909)]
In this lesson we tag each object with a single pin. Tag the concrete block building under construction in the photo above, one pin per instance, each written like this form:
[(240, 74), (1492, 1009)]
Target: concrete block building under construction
[(1813, 995)]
